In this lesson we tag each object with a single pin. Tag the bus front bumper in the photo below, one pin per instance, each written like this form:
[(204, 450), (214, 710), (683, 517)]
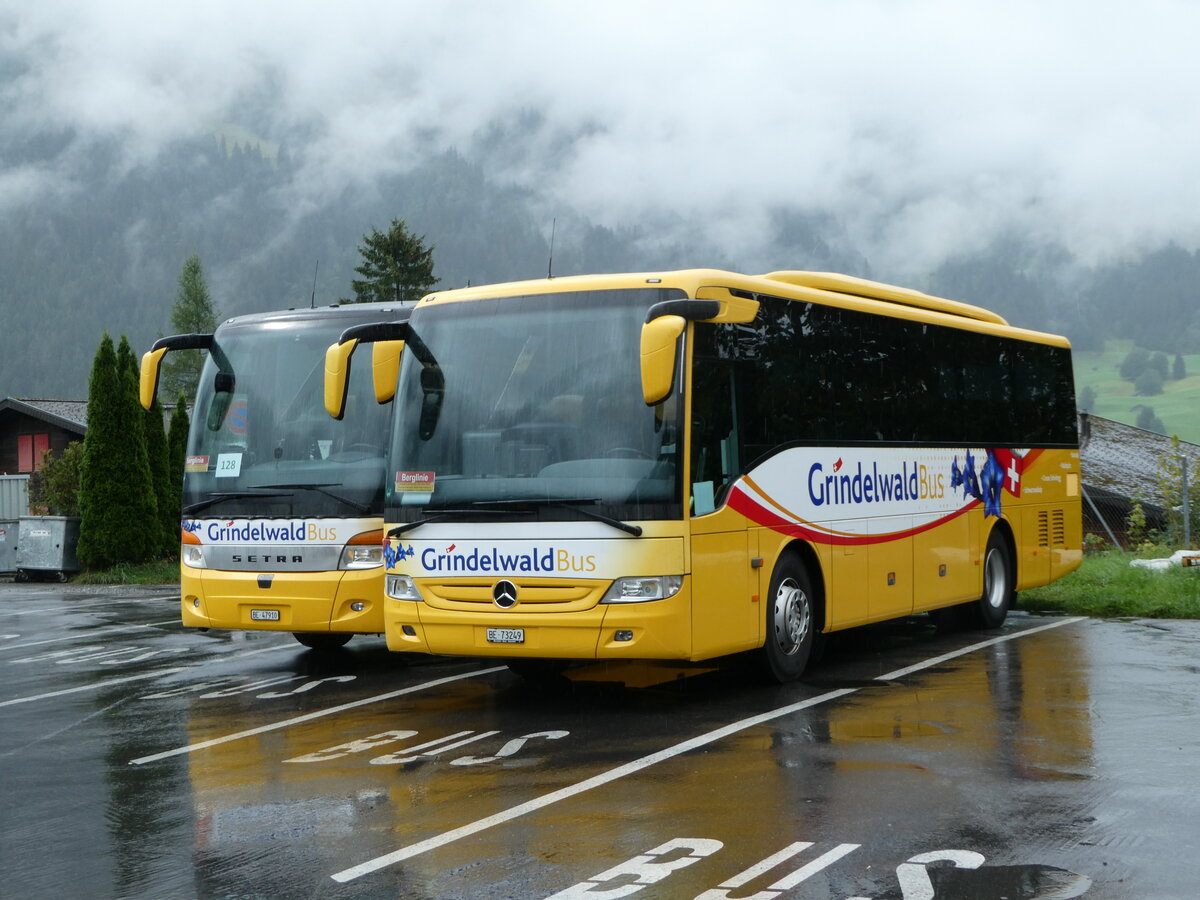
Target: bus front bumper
[(283, 601), (656, 629)]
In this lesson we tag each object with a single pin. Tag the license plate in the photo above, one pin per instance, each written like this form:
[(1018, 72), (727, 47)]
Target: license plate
[(506, 635), (264, 615)]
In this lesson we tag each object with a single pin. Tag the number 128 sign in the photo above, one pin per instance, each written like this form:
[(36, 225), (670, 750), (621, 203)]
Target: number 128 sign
[(229, 465)]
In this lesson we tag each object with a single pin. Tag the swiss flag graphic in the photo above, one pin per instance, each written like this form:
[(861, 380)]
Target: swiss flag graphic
[(1012, 465)]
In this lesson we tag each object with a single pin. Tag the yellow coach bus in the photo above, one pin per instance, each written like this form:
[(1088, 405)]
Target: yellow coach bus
[(684, 465), (282, 517)]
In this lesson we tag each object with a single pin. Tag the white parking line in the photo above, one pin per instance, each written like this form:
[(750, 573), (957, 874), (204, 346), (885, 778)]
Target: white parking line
[(92, 687), (308, 717), (242, 654), (91, 634), (637, 765)]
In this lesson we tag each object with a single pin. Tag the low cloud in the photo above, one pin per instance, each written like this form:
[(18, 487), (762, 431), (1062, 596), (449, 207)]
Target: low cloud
[(924, 128)]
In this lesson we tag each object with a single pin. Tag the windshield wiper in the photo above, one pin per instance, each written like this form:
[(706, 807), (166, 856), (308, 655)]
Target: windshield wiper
[(520, 507), (532, 504), (319, 488), (627, 527), (447, 513), (226, 495)]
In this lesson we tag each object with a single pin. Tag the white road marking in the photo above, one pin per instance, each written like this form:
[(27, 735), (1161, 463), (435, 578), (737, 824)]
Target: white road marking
[(92, 687), (242, 654), (645, 762), (89, 636), (991, 642), (61, 731), (308, 717)]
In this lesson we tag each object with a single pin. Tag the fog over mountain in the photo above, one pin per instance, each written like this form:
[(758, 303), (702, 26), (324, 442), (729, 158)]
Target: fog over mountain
[(893, 140)]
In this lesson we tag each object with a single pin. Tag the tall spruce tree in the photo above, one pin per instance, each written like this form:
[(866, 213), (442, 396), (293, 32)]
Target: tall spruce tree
[(177, 435), (396, 267), (193, 313), (115, 499), (142, 498), (101, 475), (166, 504)]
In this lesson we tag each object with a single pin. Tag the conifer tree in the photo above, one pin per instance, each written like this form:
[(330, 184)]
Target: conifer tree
[(177, 435), (166, 503), (117, 507), (397, 266), (142, 501), (193, 313), (102, 473)]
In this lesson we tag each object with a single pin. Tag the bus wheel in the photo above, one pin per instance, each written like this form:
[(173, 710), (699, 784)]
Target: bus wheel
[(791, 622), (998, 594), (331, 641)]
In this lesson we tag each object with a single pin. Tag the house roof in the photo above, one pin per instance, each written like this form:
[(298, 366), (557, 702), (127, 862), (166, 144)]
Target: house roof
[(70, 415), (1125, 459)]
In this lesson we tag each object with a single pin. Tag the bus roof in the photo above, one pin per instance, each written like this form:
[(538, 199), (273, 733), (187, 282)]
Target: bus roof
[(303, 313), (817, 287)]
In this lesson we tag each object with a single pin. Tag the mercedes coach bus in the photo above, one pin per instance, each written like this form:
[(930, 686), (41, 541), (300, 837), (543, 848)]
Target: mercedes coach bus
[(684, 465), (282, 523)]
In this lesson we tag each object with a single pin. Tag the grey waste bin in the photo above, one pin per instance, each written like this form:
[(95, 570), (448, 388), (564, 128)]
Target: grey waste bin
[(8, 545), (46, 546)]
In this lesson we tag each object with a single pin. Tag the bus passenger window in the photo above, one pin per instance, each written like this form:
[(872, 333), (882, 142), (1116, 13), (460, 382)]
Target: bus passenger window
[(715, 457)]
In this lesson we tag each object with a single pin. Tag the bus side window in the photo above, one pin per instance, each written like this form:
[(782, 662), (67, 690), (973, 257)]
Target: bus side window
[(715, 456)]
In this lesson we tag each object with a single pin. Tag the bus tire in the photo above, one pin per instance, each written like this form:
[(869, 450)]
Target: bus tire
[(322, 641), (790, 622), (999, 594)]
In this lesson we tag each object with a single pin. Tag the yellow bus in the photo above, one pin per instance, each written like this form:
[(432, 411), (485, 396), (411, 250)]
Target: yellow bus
[(282, 506), (684, 465)]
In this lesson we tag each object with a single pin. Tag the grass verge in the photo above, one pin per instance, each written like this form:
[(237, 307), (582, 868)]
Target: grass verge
[(1107, 586), (163, 571)]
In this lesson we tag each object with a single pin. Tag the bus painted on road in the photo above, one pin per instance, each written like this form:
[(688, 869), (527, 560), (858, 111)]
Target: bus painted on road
[(685, 465), (282, 506)]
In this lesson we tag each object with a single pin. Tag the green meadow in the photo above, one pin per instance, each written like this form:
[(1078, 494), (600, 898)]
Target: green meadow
[(1178, 406)]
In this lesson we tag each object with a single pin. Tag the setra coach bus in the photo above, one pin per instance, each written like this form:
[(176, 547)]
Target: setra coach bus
[(684, 465), (282, 522)]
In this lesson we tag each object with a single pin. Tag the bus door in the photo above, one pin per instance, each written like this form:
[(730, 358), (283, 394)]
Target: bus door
[(726, 605), (889, 576), (943, 563), (870, 570)]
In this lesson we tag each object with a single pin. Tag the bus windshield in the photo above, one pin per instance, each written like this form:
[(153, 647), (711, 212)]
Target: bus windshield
[(261, 443), (532, 406)]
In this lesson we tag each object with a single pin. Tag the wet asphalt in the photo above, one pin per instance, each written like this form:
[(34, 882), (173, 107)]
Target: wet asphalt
[(1054, 758)]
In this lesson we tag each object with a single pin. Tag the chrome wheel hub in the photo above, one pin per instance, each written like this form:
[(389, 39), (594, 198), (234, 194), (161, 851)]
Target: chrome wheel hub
[(995, 580), (791, 616)]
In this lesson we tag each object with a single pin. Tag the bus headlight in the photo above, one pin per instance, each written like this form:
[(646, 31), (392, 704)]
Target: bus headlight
[(361, 556), (402, 587), (643, 588), (193, 556)]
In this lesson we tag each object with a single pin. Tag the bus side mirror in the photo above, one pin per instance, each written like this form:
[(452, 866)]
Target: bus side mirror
[(385, 368), (148, 376), (337, 377), (660, 337), (152, 360)]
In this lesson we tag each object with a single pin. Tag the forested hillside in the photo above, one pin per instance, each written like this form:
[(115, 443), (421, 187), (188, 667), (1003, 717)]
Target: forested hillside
[(105, 252)]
